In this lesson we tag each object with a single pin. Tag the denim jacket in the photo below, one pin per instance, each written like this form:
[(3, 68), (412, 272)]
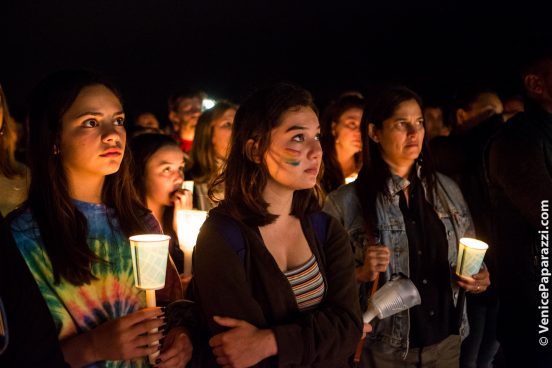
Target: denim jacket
[(452, 210)]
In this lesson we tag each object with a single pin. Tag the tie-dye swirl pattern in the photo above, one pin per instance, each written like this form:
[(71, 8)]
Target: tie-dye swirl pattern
[(76, 309)]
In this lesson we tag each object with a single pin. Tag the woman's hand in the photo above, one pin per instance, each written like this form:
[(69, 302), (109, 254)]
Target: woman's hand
[(176, 351), (376, 260), (366, 329), (244, 345), (183, 200), (126, 337), (478, 283)]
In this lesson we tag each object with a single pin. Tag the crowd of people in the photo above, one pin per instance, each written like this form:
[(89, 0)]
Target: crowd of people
[(309, 214)]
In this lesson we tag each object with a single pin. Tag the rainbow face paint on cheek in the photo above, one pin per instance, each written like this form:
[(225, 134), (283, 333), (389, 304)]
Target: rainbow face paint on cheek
[(292, 162), (290, 157)]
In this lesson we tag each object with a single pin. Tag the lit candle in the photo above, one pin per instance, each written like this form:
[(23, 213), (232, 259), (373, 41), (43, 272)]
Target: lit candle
[(188, 223), (149, 259)]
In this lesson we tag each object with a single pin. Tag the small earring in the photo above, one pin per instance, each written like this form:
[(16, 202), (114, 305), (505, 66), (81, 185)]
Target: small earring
[(55, 150)]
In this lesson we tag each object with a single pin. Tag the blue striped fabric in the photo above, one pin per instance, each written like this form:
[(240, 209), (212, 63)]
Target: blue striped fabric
[(307, 284)]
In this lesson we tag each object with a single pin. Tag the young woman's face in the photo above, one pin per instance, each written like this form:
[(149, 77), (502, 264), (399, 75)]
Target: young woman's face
[(164, 175), (222, 133), (347, 131), (93, 138), (294, 155), (402, 134)]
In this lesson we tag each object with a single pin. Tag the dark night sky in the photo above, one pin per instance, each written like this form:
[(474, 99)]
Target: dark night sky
[(227, 48)]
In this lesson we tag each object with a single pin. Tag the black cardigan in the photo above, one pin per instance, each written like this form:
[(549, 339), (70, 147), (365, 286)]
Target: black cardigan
[(257, 291)]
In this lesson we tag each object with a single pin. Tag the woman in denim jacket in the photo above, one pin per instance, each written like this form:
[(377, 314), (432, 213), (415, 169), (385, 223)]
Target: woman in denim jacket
[(403, 217)]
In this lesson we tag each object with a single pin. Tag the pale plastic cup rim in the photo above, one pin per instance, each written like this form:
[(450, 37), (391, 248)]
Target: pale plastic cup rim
[(474, 243), (149, 238)]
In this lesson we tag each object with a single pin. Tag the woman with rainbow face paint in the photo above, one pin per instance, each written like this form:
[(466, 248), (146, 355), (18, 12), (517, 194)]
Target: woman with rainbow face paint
[(73, 230), (273, 274)]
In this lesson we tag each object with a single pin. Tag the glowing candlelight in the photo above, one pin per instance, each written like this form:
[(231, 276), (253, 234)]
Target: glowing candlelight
[(188, 223)]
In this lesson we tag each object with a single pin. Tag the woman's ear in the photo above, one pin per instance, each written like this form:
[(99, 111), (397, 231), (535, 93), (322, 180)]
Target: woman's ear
[(372, 133), (252, 151), (334, 134)]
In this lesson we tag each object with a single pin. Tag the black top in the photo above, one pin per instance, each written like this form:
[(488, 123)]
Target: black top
[(254, 289), (174, 247), (435, 318), (33, 340)]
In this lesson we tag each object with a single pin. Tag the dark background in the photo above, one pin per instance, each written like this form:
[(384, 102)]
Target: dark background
[(228, 48)]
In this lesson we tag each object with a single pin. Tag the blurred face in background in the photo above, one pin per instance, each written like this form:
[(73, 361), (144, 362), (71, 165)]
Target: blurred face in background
[(164, 176), (184, 119), (147, 120), (435, 123), (346, 131), (222, 133)]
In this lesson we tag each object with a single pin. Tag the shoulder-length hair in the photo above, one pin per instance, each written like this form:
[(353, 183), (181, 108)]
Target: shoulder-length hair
[(333, 175), (63, 228), (8, 139), (203, 158), (374, 175), (143, 147), (245, 177)]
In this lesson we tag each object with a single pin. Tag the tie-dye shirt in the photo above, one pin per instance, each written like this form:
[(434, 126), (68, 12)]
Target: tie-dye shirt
[(76, 309)]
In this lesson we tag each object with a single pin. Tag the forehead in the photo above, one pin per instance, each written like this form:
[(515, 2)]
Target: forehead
[(188, 102), (352, 112), (94, 98), (171, 154), (300, 114), (408, 107)]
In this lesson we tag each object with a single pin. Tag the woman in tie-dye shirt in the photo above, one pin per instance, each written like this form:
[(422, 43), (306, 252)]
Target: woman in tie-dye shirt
[(73, 230)]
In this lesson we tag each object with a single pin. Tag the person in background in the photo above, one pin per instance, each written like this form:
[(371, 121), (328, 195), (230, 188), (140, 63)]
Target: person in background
[(145, 122), (73, 230), (158, 177), (435, 121), (512, 105), (340, 139), (210, 150), (273, 291), (14, 176), (404, 218), (185, 106), (519, 169)]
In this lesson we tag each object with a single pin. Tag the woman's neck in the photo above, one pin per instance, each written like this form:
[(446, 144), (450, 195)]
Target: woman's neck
[(401, 169), (86, 189), (279, 199), (346, 161)]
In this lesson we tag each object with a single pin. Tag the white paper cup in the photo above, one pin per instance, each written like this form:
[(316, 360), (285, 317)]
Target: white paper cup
[(188, 185), (470, 256), (149, 258)]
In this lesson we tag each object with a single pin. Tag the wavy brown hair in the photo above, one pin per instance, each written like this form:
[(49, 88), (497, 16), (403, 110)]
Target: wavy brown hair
[(203, 159), (63, 228), (244, 179), (8, 139)]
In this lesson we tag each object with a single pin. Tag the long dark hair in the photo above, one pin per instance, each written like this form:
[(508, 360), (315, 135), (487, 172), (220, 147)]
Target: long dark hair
[(374, 174), (8, 139), (333, 175), (63, 228), (244, 179)]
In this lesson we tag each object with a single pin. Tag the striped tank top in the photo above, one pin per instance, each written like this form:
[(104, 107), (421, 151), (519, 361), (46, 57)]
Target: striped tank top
[(307, 284)]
